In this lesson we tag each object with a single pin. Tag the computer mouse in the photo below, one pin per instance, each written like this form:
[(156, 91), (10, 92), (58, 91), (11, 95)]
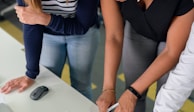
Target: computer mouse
[(39, 92)]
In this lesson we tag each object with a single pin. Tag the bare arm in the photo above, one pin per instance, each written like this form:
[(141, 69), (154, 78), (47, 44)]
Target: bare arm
[(113, 48), (177, 36), (114, 41)]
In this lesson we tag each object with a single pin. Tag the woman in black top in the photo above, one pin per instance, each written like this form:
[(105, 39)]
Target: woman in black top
[(155, 34)]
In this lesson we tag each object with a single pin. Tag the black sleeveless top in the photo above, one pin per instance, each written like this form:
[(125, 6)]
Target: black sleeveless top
[(154, 21)]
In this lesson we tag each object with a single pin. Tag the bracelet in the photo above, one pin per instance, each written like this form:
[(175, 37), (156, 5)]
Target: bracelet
[(134, 92), (112, 90)]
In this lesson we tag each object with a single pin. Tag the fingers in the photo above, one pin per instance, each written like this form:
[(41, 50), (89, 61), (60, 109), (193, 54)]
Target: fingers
[(21, 83), (120, 109), (102, 104), (18, 7), (19, 10), (9, 86), (103, 107), (21, 89), (106, 99), (117, 110)]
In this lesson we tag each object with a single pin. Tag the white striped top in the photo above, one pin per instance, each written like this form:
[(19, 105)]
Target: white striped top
[(60, 7)]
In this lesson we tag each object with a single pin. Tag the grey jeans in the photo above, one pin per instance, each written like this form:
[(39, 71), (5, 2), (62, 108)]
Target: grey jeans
[(138, 53)]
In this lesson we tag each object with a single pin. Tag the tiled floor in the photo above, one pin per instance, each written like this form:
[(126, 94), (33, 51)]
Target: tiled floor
[(12, 26)]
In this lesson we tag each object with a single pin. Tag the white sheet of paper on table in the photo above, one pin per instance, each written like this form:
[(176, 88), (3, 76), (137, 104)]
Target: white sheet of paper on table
[(2, 100)]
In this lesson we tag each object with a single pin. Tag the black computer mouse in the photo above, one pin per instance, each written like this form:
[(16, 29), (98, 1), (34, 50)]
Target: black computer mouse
[(39, 92)]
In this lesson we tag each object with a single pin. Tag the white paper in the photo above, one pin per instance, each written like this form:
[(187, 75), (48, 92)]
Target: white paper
[(2, 100)]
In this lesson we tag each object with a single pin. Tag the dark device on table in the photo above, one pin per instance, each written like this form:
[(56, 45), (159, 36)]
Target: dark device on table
[(39, 92)]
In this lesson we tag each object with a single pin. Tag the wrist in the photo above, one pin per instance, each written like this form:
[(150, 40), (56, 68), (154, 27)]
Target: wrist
[(45, 19), (132, 90), (28, 78), (108, 90)]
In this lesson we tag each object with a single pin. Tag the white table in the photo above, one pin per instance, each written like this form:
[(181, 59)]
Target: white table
[(61, 97)]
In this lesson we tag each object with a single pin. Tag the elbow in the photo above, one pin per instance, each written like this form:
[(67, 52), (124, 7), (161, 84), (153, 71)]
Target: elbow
[(114, 39), (173, 55), (114, 35)]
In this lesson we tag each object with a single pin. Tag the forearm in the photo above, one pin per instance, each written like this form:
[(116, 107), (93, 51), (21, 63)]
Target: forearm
[(61, 25), (113, 51), (114, 40), (162, 64), (33, 35), (175, 44)]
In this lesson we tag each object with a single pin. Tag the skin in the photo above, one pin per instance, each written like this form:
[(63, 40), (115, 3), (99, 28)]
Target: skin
[(20, 84), (167, 59), (31, 16)]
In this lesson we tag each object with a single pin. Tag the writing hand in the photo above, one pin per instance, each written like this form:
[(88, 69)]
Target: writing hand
[(127, 102), (105, 100)]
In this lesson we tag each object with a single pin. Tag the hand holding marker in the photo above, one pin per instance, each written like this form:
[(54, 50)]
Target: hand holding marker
[(112, 107)]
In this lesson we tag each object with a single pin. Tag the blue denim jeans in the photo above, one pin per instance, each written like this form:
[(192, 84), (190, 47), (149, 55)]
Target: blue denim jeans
[(80, 52)]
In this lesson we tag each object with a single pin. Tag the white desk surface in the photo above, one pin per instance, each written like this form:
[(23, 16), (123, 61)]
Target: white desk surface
[(61, 97)]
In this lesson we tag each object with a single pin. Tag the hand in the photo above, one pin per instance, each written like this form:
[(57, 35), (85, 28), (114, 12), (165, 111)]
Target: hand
[(31, 16), (20, 83), (105, 100), (127, 102)]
